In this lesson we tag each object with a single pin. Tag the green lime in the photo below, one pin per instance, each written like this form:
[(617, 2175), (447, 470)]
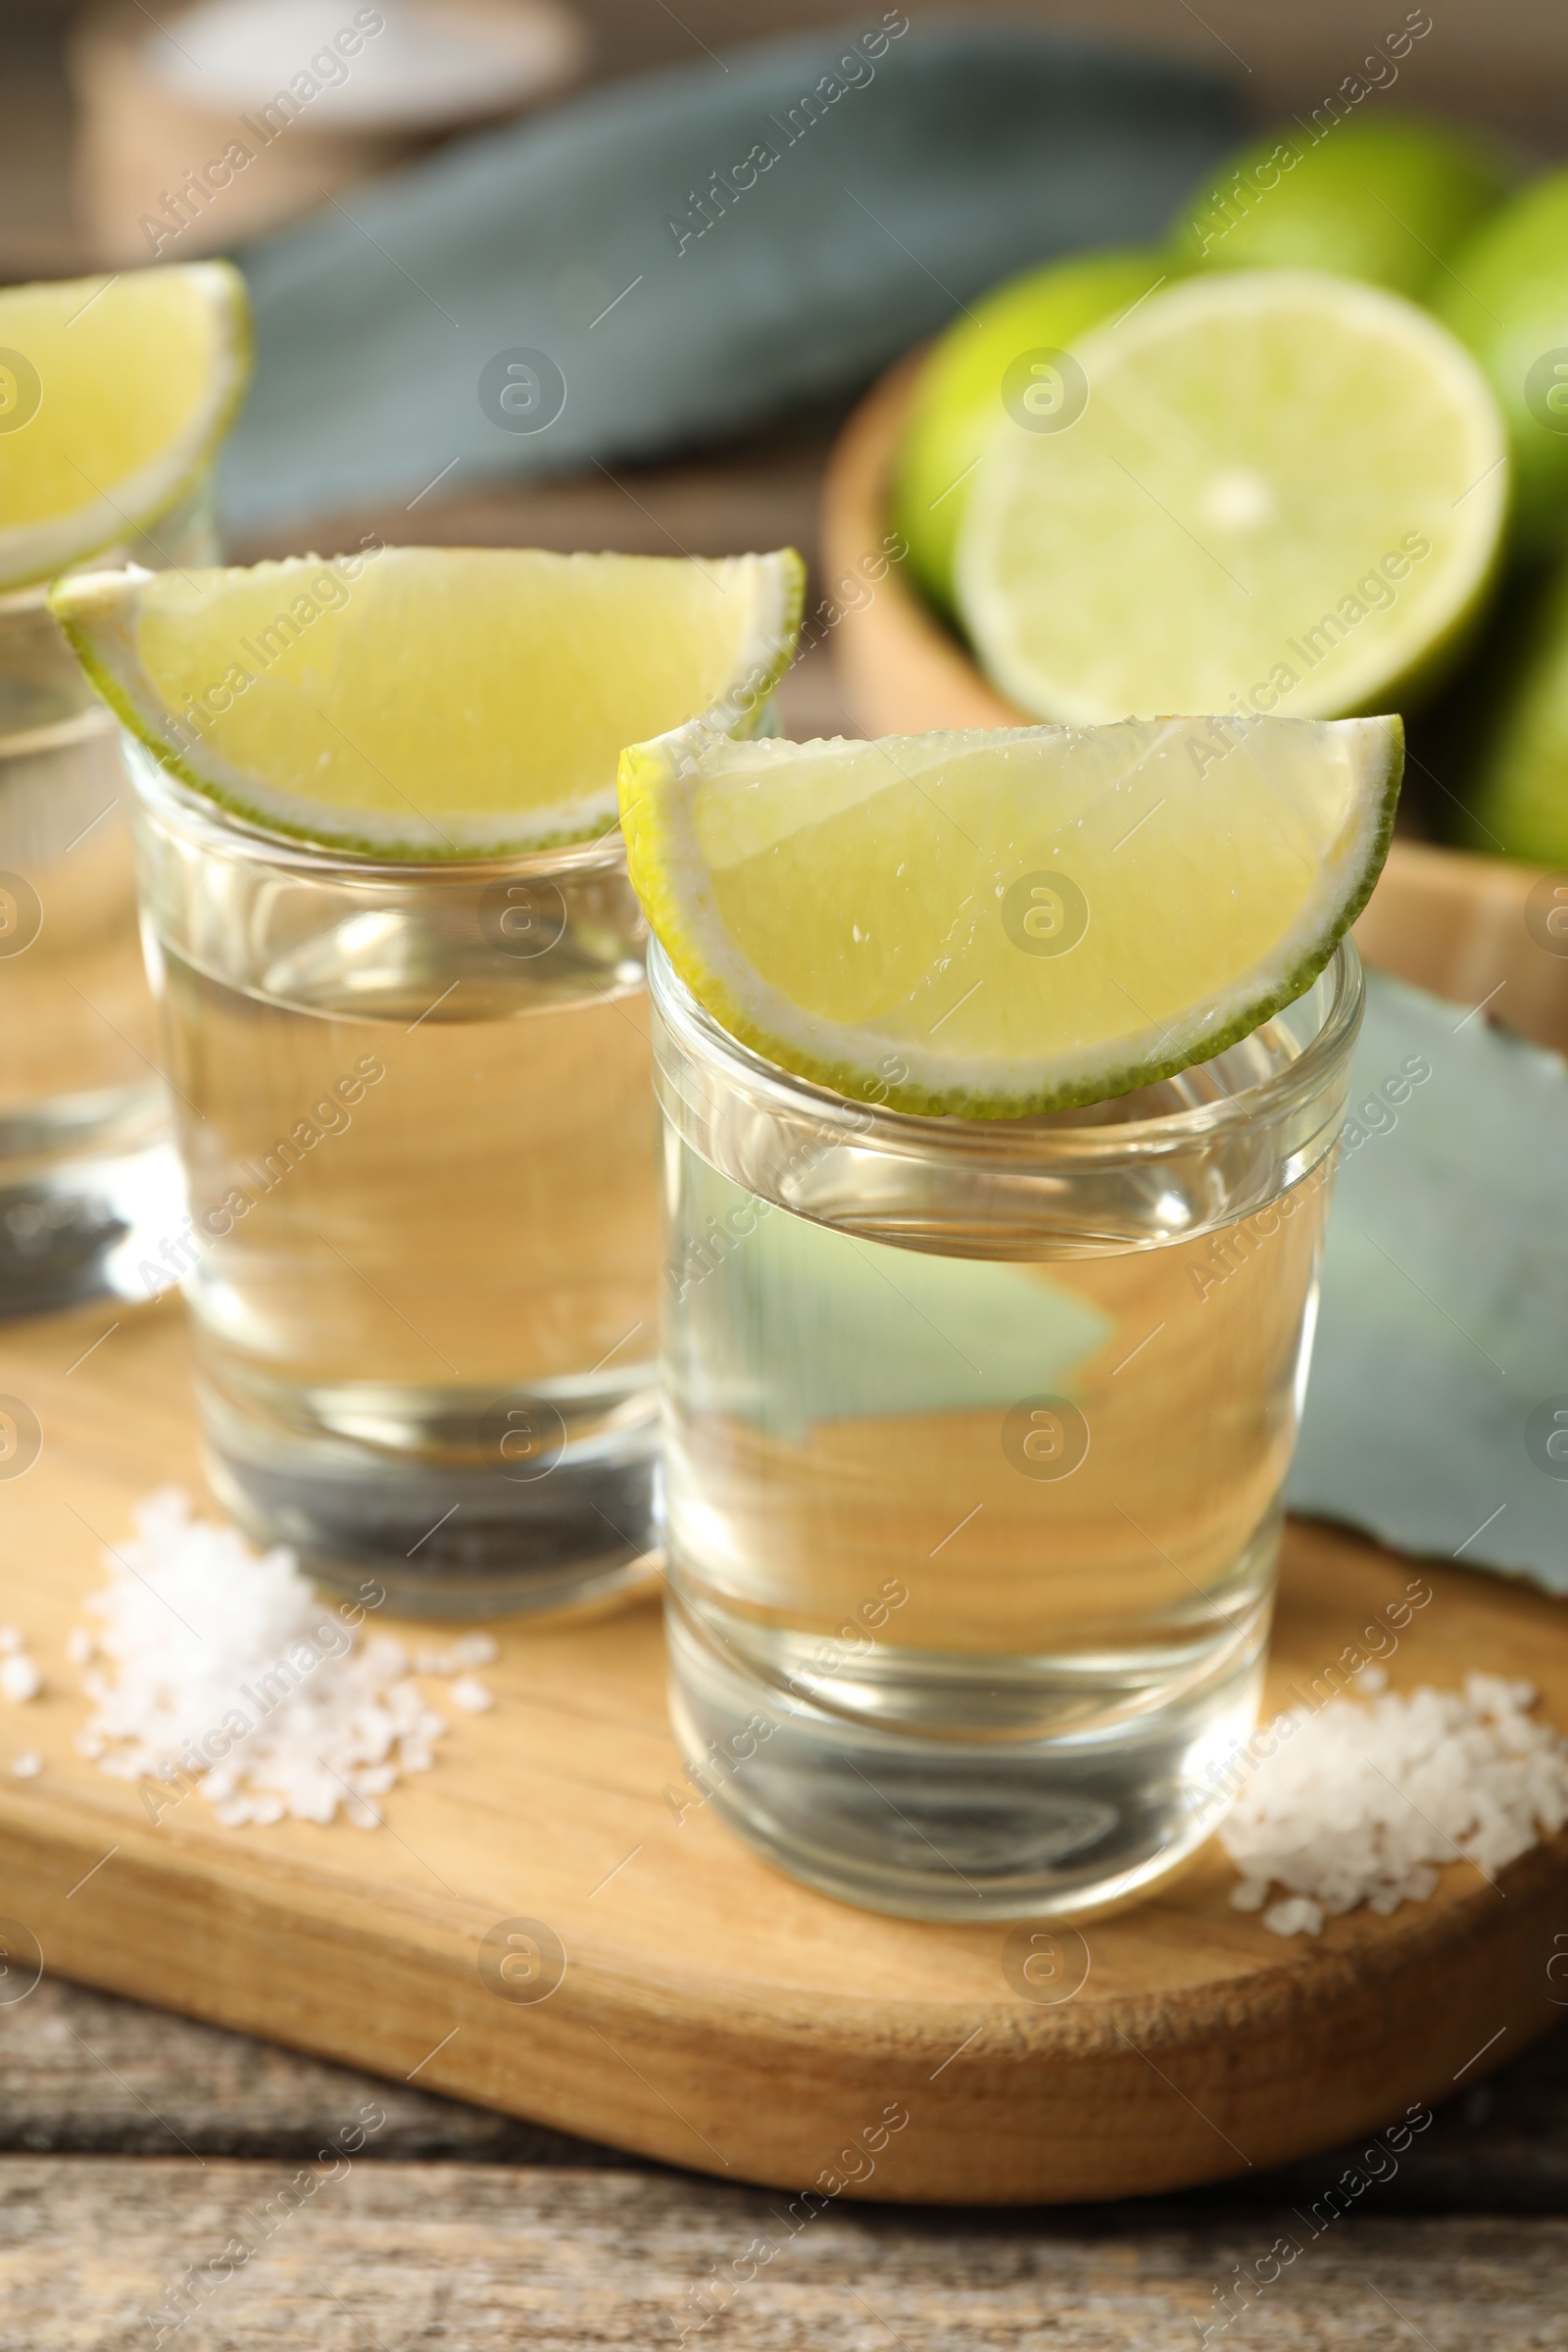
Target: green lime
[(1019, 327), (1385, 198), (429, 702), (1515, 794), (1508, 299), (1285, 492), (990, 925)]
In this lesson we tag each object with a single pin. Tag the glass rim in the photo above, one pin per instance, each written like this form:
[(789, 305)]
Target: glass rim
[(1026, 1139), (213, 825)]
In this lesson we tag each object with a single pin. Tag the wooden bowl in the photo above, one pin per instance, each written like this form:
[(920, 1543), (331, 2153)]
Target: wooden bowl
[(1478, 930)]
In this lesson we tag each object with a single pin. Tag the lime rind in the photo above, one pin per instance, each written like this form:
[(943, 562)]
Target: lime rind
[(1381, 665), (32, 552), (98, 612), (660, 782)]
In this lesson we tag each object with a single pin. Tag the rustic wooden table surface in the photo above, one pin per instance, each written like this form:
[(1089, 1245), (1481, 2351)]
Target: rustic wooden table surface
[(135, 2148), (134, 2145)]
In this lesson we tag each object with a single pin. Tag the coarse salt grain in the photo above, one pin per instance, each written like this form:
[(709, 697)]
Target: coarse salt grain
[(223, 1670), (28, 1766), (10, 1639), (461, 1656), (80, 1648), (20, 1678), (1364, 1804), (471, 1694)]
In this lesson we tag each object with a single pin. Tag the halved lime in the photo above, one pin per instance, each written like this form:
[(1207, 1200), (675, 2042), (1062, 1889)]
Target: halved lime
[(1284, 493), (990, 926), (113, 393), (429, 702)]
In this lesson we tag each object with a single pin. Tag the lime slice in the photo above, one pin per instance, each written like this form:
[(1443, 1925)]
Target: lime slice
[(1283, 492), (429, 702), (113, 393), (997, 924)]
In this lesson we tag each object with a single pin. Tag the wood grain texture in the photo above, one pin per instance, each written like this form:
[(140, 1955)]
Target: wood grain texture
[(713, 2012), (1472, 928), (90, 2073), (100, 2255)]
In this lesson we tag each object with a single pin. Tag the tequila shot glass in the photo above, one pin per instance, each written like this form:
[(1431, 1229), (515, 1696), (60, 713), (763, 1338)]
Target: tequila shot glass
[(976, 1434), (414, 1108), (89, 1182)]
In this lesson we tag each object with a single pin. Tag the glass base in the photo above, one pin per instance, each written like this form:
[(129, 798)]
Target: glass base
[(422, 1516), (93, 1228), (954, 1829)]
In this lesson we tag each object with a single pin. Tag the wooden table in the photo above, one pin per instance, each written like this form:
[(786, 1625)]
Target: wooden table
[(132, 2145)]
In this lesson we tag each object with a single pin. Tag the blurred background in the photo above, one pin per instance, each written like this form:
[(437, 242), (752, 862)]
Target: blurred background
[(105, 103), (77, 81)]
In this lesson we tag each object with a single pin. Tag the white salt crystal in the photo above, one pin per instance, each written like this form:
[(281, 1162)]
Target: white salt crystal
[(1366, 1804), (471, 1694), (10, 1640), (81, 1647), (1298, 1915), (20, 1678), (27, 1765), (225, 1671), (458, 1657), (475, 1649)]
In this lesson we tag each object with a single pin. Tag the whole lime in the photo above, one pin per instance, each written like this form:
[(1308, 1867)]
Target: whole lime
[(1515, 794), (1017, 331), (1381, 197), (1507, 298)]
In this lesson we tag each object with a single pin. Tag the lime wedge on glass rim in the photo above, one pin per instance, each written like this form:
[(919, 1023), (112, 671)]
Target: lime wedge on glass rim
[(113, 393), (1267, 491), (992, 925), (429, 702)]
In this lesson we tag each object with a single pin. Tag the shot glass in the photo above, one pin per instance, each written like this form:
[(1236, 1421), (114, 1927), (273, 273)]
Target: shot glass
[(89, 1183), (975, 1440), (421, 1258)]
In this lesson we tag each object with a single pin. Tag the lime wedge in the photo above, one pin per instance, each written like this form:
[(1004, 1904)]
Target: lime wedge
[(429, 702), (990, 925), (113, 393), (1280, 492)]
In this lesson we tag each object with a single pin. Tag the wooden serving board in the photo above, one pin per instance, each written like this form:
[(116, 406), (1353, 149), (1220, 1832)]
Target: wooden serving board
[(712, 2012)]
